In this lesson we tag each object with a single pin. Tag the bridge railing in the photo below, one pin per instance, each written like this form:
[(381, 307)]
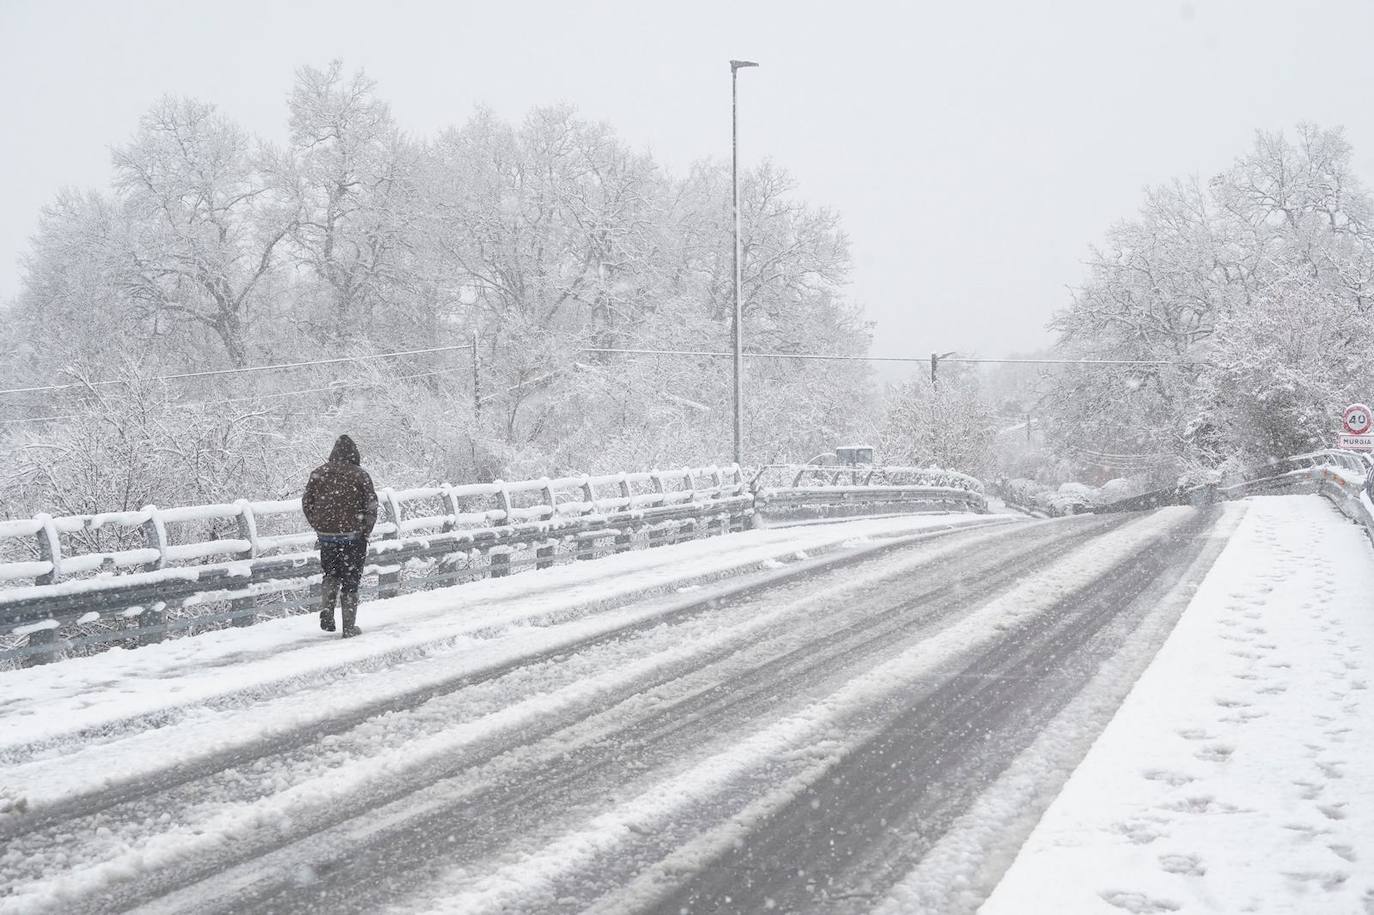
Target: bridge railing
[(1341, 476), (798, 492), (85, 582), (207, 566)]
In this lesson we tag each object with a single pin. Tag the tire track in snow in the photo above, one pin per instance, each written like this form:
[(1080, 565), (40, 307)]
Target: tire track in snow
[(63, 827), (575, 765)]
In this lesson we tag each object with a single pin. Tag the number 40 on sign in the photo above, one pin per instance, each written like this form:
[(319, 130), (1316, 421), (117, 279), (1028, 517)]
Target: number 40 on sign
[(1357, 423)]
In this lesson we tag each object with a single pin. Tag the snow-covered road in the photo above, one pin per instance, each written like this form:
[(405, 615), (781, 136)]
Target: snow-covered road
[(799, 720)]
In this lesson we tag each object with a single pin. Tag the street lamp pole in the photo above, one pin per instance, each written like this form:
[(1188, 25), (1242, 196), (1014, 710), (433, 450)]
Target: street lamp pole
[(735, 66)]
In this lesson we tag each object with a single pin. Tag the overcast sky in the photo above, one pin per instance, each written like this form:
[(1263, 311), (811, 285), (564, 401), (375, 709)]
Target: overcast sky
[(974, 150)]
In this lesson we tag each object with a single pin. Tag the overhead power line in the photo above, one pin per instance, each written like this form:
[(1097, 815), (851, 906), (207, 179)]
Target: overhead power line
[(925, 360), (252, 398), (280, 366)]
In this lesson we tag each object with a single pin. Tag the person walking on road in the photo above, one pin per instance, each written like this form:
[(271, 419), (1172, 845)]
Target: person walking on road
[(340, 503)]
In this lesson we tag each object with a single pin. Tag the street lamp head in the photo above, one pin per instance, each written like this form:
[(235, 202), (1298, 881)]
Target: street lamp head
[(737, 64)]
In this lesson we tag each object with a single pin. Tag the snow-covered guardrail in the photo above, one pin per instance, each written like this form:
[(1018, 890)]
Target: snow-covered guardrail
[(199, 567), (790, 492), (132, 578), (1340, 476)]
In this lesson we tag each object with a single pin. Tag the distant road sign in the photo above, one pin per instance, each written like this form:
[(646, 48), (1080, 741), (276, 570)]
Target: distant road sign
[(1357, 442), (1357, 420)]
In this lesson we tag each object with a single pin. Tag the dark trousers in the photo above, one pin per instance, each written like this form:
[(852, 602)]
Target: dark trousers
[(342, 559)]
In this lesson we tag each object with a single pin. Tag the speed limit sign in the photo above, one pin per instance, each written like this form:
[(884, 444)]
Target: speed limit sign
[(1357, 419)]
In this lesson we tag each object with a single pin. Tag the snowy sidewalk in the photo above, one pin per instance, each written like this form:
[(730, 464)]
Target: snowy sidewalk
[(1238, 776)]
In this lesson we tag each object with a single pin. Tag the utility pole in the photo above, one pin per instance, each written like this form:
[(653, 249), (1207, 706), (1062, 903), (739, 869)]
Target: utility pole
[(935, 363), (476, 382), (476, 398), (735, 66)]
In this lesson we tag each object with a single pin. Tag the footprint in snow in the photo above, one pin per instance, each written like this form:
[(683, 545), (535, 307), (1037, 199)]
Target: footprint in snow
[(1309, 791), (1332, 811), (1187, 865), (1194, 734), (1244, 716), (1202, 803), (1331, 769), (1304, 832), (1216, 753), (1328, 880), (1140, 831), (1138, 903), (1168, 776), (1344, 852)]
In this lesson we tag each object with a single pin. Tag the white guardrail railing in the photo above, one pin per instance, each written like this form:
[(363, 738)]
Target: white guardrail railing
[(81, 583), (1344, 477), (791, 492)]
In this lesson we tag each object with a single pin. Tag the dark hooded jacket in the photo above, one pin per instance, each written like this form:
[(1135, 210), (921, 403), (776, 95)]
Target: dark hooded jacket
[(340, 497)]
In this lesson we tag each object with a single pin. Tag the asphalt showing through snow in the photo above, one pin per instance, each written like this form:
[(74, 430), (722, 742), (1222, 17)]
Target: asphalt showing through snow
[(305, 822)]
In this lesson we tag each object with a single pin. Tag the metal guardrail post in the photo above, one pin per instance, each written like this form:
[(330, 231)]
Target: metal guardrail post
[(543, 556), (152, 623), (49, 550), (656, 533), (155, 535), (43, 642), (453, 508), (389, 582), (624, 539), (248, 530), (498, 564), (719, 524), (44, 647), (741, 521)]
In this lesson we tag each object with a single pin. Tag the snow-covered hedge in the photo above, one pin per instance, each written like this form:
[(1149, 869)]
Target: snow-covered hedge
[(1066, 499)]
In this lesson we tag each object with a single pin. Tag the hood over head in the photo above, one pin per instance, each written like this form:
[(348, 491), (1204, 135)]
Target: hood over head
[(345, 452)]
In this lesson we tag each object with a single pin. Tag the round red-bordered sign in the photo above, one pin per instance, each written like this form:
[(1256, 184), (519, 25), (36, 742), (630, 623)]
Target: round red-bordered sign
[(1357, 419)]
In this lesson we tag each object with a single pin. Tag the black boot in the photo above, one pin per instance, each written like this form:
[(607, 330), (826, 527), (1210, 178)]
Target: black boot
[(349, 602), (329, 593)]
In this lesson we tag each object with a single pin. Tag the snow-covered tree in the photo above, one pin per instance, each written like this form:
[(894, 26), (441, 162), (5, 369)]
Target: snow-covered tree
[(1255, 289), (947, 424), (204, 224)]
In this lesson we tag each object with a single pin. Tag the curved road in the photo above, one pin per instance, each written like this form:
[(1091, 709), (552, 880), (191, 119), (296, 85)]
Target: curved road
[(795, 745)]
